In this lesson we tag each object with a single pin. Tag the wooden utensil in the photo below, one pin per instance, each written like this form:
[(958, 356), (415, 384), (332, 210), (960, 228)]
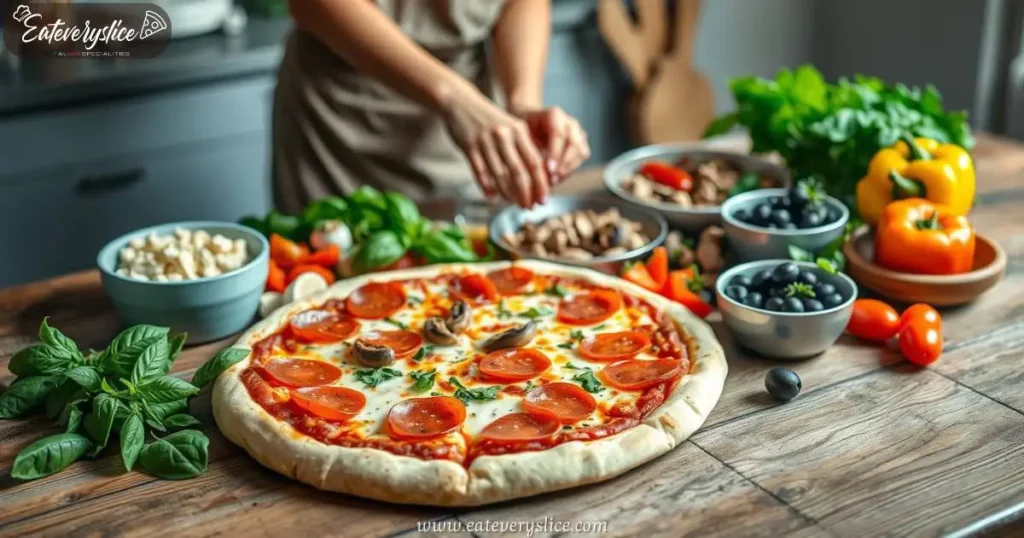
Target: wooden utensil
[(624, 39), (936, 290), (678, 103)]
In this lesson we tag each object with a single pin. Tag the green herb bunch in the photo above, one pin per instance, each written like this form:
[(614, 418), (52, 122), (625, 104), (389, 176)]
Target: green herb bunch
[(831, 131), (122, 394)]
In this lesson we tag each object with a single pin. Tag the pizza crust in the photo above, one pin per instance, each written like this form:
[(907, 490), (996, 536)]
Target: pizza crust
[(381, 475)]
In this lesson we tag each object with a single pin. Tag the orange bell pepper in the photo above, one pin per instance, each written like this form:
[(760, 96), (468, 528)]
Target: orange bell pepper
[(678, 288), (919, 236), (638, 274), (286, 252), (657, 266), (326, 257), (320, 270), (276, 278)]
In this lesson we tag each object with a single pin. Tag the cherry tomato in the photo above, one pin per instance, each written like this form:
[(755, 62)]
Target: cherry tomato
[(921, 342), (920, 311), (873, 320)]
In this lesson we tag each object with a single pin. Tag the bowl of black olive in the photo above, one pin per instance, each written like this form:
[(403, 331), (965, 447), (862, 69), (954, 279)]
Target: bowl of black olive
[(783, 309), (762, 224)]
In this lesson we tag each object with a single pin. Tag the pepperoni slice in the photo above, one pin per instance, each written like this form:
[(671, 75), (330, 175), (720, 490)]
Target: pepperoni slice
[(514, 364), (376, 300), (331, 403), (421, 418), (521, 428), (302, 372), (590, 307), (322, 326), (476, 287), (639, 374), (614, 346), (510, 279), (566, 401), (403, 343)]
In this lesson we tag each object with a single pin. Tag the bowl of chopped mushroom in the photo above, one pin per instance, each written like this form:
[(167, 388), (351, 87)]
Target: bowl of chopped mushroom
[(585, 231), (201, 278), (687, 183)]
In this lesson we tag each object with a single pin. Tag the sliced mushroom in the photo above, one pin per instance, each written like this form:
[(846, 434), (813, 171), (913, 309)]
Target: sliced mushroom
[(709, 249), (371, 355), (614, 250), (557, 242), (584, 226), (623, 235), (438, 332), (577, 254), (514, 337), (511, 239), (458, 317)]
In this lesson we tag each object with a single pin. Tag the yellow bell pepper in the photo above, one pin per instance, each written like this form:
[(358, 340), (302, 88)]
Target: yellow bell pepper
[(917, 168)]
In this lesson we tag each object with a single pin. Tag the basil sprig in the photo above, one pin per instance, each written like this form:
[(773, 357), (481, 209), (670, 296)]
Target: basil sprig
[(122, 392)]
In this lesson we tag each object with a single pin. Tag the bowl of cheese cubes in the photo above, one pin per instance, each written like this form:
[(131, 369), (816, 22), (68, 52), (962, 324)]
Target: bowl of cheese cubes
[(203, 278)]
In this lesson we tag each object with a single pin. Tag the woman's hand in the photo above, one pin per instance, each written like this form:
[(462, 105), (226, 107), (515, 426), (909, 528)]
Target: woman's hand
[(561, 138), (504, 157)]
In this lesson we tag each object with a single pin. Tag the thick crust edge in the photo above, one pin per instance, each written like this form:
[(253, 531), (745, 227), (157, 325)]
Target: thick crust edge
[(380, 475)]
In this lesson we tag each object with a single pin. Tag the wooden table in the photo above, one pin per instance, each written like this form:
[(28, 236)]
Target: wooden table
[(872, 446)]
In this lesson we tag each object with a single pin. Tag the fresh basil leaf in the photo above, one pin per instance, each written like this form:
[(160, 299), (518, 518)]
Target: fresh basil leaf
[(59, 397), (403, 215), (155, 425), (576, 335), (174, 344), (160, 411), (166, 389), (371, 377), (26, 395), (565, 346), (42, 359), (438, 247), (74, 418), (152, 362), (224, 359), (421, 353), (85, 376), (587, 380), (721, 125), (368, 196), (133, 434), (478, 394), (503, 312), (423, 381), (56, 339), (178, 456), (330, 208), (99, 422), (126, 347), (557, 290), (534, 312), (49, 455), (285, 225), (798, 254), (181, 420), (383, 248)]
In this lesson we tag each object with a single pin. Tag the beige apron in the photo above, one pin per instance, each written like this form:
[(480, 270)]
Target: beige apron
[(335, 129)]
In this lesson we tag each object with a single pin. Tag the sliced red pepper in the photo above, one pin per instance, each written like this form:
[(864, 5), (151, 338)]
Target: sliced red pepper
[(638, 274), (678, 289), (657, 266), (276, 278), (327, 257), (669, 175), (285, 252)]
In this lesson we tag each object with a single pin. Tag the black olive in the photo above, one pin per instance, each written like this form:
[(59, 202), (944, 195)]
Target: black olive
[(832, 300), (810, 219), (772, 226), (794, 305), (754, 299), (808, 277), (708, 296), (813, 305), (741, 280), (777, 291), (762, 212), (782, 383), (775, 304), (761, 279), (831, 215), (736, 292), (799, 197), (779, 202), (781, 217), (790, 226), (785, 273), (822, 289), (742, 215)]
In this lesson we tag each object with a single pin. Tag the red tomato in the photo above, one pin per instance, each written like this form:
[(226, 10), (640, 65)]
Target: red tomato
[(403, 343), (669, 175), (322, 326), (475, 286), (376, 300), (614, 346), (920, 311), (639, 374), (514, 364), (302, 372), (921, 342), (566, 401), (521, 428), (873, 320), (331, 403), (423, 418), (510, 279), (589, 307)]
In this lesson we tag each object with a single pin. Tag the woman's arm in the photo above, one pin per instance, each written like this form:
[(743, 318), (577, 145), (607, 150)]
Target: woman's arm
[(503, 156)]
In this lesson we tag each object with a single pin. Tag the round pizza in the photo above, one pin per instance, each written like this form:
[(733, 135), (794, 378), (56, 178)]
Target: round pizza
[(469, 384)]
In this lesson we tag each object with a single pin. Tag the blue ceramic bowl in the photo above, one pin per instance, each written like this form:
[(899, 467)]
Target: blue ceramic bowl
[(208, 308)]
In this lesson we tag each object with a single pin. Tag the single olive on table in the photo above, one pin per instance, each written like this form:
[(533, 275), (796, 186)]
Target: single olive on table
[(782, 383)]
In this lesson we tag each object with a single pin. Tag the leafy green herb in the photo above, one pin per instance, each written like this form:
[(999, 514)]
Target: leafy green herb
[(800, 289), (125, 348), (371, 377), (178, 456), (572, 366), (26, 395), (479, 394), (224, 359), (49, 455), (503, 312), (174, 345), (181, 420), (746, 183), (422, 353), (99, 423), (534, 312), (166, 389), (42, 359), (85, 376), (397, 323), (383, 248), (59, 397), (587, 380), (601, 326), (440, 247), (56, 340), (557, 290), (423, 381), (576, 335), (529, 386), (566, 345)]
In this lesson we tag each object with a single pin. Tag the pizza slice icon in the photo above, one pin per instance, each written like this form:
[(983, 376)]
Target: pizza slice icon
[(152, 24)]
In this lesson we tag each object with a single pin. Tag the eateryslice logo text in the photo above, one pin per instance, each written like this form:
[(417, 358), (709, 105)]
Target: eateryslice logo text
[(89, 36)]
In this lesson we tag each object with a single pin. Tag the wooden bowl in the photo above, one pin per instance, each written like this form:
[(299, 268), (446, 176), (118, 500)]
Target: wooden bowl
[(936, 290)]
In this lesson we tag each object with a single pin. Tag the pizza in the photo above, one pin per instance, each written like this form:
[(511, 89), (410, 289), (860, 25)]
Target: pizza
[(458, 385)]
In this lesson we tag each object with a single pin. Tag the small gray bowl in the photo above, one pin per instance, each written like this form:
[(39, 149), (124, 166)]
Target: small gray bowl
[(512, 218), (751, 242), (689, 219), (785, 335), (208, 308)]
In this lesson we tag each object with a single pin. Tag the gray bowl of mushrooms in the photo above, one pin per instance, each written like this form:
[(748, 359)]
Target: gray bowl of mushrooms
[(595, 231), (687, 183)]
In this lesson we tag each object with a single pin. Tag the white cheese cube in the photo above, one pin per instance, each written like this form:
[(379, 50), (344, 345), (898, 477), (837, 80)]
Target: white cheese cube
[(161, 278), (127, 254), (183, 235), (124, 272), (200, 238), (175, 277), (210, 271), (241, 246), (138, 243), (186, 265), (139, 276)]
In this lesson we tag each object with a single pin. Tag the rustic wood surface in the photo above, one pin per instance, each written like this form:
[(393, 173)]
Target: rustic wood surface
[(872, 446)]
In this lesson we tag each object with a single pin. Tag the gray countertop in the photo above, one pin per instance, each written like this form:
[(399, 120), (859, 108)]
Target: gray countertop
[(48, 84)]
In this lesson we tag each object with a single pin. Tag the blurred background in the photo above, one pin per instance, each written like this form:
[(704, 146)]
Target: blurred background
[(90, 149)]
